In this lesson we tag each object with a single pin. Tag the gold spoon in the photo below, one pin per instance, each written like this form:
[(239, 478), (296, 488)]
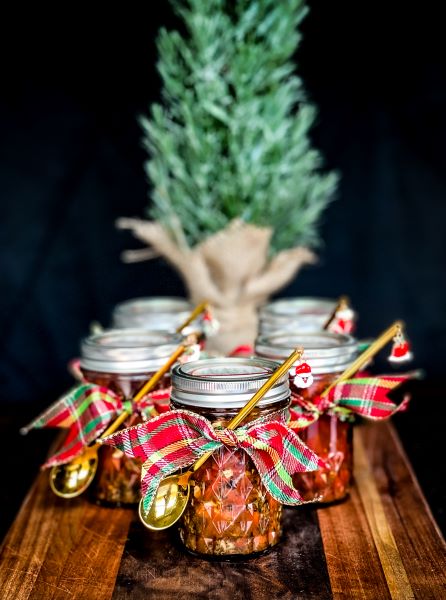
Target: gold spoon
[(72, 479), (341, 304), (173, 492), (364, 358), (193, 315)]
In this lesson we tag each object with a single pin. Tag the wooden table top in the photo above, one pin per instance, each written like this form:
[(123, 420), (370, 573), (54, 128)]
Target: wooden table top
[(381, 543)]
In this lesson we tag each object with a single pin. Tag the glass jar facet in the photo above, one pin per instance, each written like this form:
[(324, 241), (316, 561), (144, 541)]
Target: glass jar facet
[(331, 435), (230, 512)]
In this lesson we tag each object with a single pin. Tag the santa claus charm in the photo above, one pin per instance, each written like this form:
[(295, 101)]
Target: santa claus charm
[(400, 350), (343, 321), (303, 376), (209, 323), (191, 353)]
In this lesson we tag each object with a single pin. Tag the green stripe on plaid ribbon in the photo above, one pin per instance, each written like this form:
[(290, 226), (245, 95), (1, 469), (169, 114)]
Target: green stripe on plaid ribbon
[(176, 439), (363, 396), (85, 411)]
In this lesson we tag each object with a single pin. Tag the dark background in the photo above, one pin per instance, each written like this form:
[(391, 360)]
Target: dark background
[(72, 84)]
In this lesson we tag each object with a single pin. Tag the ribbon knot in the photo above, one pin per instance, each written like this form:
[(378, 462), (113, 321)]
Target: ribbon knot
[(323, 404), (228, 437), (177, 438)]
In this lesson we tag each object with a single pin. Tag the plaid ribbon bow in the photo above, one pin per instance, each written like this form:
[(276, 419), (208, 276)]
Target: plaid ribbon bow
[(86, 411), (177, 438), (363, 396)]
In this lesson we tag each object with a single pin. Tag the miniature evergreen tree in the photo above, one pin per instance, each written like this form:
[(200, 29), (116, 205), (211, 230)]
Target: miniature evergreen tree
[(229, 141), (231, 137)]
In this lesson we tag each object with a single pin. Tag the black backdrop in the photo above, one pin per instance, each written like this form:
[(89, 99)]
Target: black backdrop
[(72, 84)]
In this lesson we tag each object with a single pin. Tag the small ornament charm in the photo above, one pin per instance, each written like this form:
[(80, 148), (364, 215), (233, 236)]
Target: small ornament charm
[(191, 353), (209, 323), (74, 368), (344, 319), (400, 349), (303, 376)]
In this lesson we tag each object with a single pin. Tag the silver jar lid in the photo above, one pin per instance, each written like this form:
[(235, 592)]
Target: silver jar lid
[(325, 352), (301, 315), (226, 382), (127, 350), (155, 313)]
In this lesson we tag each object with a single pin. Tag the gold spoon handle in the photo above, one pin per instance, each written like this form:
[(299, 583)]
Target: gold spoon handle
[(341, 303), (373, 349), (143, 391), (194, 314), (244, 412)]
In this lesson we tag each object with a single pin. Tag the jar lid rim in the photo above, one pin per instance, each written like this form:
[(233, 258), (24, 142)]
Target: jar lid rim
[(127, 350), (154, 304), (292, 307), (224, 382)]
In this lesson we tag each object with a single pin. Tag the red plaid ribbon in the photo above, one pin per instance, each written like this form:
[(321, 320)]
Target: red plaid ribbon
[(176, 440), (86, 411), (363, 396)]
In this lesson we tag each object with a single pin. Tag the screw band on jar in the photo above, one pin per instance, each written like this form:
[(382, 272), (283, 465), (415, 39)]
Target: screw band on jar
[(158, 313)]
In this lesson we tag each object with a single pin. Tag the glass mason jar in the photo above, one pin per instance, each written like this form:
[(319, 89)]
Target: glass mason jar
[(155, 314), (123, 360), (331, 435), (302, 315), (230, 512)]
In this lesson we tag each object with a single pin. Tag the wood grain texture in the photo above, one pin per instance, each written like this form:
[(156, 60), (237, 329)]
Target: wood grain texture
[(154, 565), (420, 543), (60, 549), (353, 562), (392, 565), (380, 544)]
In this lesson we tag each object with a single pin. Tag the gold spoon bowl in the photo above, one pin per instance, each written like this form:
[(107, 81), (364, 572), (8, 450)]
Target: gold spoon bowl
[(72, 479), (169, 504)]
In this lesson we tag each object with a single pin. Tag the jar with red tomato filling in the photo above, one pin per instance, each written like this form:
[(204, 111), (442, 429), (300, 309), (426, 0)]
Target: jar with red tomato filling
[(229, 512), (331, 435), (123, 360)]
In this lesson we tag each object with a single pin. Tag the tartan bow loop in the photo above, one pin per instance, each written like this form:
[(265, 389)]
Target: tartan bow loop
[(363, 396), (86, 410)]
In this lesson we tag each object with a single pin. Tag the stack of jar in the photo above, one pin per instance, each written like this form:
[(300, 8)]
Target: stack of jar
[(230, 512)]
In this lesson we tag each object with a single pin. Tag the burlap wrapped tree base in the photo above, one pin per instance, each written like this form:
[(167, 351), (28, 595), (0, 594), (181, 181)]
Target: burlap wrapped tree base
[(231, 269)]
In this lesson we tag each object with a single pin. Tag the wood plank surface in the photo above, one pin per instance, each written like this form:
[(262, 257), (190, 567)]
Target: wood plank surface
[(420, 544), (380, 544), (352, 558), (60, 549), (155, 565)]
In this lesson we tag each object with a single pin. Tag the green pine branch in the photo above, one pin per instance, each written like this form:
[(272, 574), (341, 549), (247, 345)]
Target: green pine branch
[(230, 137)]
